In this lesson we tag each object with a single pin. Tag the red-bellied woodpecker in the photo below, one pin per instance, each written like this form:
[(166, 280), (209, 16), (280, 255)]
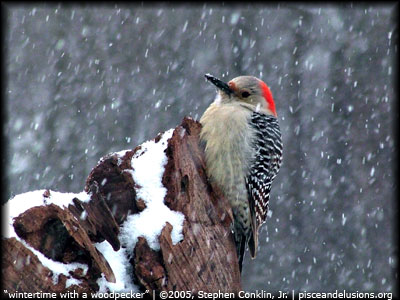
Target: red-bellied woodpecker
[(243, 150)]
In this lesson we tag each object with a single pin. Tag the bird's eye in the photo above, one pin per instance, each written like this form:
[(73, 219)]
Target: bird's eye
[(245, 94)]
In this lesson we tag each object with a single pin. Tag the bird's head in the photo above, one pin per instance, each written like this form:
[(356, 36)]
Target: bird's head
[(248, 91)]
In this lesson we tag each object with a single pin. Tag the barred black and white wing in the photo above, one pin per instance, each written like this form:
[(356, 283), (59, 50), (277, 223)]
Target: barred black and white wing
[(263, 170)]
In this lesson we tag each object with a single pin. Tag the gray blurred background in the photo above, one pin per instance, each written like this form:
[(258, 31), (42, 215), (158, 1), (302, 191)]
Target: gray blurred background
[(83, 81)]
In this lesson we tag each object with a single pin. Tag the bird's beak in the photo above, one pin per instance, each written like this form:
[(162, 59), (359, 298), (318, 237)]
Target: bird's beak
[(219, 84)]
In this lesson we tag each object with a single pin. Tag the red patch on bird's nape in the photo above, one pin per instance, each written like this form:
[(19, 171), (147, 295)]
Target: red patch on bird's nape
[(266, 92)]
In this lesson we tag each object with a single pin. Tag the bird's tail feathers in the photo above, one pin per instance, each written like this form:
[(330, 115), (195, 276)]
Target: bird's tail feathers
[(240, 247), (253, 239)]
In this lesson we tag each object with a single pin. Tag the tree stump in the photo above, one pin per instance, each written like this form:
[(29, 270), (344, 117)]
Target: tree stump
[(204, 260)]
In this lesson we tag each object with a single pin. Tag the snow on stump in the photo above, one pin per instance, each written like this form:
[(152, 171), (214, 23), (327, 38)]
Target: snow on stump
[(147, 221)]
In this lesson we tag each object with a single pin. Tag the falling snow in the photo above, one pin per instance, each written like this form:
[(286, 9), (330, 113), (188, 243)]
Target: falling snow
[(84, 82)]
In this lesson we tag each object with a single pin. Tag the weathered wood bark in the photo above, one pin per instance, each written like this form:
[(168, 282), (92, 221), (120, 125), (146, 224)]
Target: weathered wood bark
[(205, 260)]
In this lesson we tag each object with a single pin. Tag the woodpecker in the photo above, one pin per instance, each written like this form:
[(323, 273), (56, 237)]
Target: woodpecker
[(243, 151)]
